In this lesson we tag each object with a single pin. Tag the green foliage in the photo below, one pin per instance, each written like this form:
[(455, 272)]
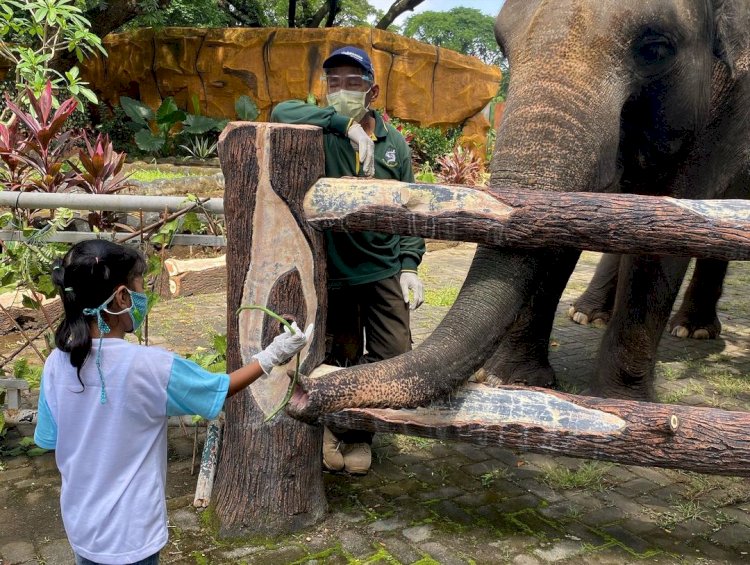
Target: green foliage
[(466, 30), (30, 374), (249, 13), (428, 144), (426, 174), (215, 358), (161, 132), (33, 33), (26, 445), (181, 13), (27, 263), (201, 148), (246, 109)]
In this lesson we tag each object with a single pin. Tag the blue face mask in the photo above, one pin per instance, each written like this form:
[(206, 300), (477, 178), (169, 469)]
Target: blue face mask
[(137, 310)]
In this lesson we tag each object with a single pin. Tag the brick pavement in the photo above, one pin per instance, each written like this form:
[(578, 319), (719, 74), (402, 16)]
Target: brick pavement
[(430, 502)]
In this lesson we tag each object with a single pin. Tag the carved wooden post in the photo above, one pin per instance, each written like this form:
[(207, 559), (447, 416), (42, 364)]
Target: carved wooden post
[(269, 478)]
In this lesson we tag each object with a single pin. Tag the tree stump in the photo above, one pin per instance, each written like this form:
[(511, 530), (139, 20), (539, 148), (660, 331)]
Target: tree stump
[(269, 477)]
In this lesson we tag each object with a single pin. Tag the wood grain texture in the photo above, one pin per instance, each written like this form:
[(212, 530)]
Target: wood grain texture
[(269, 478), (633, 433), (613, 223)]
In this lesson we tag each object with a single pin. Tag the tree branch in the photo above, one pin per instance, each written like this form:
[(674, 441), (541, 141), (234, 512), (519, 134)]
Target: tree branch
[(398, 8)]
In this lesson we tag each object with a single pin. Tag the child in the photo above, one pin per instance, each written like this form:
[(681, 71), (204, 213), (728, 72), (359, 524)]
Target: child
[(105, 411)]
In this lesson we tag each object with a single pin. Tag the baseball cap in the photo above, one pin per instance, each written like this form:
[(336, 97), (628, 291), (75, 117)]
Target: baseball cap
[(349, 54)]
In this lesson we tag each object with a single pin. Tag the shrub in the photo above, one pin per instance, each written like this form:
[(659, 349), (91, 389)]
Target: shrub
[(460, 166)]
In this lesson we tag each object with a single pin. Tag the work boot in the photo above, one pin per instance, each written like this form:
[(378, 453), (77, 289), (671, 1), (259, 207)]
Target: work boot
[(357, 458), (333, 459)]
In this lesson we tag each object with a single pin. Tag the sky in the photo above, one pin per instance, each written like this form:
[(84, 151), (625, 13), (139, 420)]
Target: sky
[(489, 7)]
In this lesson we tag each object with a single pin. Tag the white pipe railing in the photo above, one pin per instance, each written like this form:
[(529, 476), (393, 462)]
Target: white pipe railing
[(109, 202)]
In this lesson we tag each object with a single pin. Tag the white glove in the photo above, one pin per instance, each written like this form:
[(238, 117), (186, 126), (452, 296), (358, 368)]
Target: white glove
[(410, 281), (364, 144), (283, 347)]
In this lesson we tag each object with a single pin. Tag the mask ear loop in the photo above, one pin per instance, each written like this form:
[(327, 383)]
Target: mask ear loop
[(103, 329)]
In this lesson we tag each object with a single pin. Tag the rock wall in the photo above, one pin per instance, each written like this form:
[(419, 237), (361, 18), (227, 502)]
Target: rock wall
[(421, 83)]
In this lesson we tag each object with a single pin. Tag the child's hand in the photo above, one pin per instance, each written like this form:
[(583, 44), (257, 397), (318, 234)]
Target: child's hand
[(283, 347)]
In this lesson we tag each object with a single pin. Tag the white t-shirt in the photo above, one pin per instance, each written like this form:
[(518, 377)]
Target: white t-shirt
[(113, 456)]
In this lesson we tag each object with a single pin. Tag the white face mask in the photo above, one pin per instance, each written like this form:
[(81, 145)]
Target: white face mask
[(349, 103)]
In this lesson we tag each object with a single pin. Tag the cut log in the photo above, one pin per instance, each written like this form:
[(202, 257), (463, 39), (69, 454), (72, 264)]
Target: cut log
[(27, 318), (178, 266), (269, 478), (189, 283), (704, 440), (613, 223)]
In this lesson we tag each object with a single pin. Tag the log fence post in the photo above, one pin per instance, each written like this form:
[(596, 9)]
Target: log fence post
[(269, 477)]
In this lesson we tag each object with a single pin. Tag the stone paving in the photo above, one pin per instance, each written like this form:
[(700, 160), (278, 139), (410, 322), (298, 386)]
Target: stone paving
[(427, 502)]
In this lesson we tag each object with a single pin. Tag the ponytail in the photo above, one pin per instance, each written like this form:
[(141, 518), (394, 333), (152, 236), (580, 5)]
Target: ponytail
[(87, 275)]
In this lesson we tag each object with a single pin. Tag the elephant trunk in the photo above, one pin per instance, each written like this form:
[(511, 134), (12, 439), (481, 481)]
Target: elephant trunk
[(484, 309), (559, 133)]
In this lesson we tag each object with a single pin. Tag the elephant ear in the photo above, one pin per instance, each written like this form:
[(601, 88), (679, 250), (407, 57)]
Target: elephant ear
[(732, 31)]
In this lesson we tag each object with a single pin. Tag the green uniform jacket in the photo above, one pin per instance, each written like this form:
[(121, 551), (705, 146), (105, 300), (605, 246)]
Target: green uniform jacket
[(364, 257)]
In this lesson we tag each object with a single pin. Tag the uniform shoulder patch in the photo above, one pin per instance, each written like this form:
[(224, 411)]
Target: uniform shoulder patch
[(390, 157)]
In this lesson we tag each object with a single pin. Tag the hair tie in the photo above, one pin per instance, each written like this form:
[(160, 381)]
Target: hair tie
[(68, 289), (97, 260), (56, 268)]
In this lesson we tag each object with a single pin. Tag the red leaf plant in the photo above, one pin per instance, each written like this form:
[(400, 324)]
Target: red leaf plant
[(461, 166), (10, 138), (102, 166), (45, 149)]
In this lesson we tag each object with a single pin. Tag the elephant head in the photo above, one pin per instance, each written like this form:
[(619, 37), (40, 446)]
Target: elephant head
[(643, 96)]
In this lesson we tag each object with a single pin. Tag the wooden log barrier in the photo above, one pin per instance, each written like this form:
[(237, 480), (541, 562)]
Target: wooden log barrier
[(269, 476), (705, 440), (615, 223)]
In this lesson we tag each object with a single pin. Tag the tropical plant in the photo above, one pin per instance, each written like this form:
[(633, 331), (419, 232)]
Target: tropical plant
[(460, 166), (38, 159), (102, 166), (168, 122), (427, 143), (146, 122), (34, 35), (201, 148), (245, 108)]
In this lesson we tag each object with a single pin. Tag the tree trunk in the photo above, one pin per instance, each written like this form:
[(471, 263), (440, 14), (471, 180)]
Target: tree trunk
[(613, 223), (634, 433), (292, 14), (396, 9), (269, 478)]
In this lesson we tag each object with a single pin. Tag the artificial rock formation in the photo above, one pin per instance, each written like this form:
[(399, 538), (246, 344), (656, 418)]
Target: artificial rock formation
[(420, 83)]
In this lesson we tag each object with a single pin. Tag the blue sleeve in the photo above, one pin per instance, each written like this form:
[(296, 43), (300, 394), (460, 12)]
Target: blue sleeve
[(194, 390), (45, 434)]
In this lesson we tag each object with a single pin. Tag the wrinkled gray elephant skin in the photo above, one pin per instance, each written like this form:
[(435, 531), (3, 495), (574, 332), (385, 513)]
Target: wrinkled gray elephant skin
[(637, 96)]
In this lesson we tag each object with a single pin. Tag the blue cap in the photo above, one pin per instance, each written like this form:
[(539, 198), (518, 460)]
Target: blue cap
[(347, 55)]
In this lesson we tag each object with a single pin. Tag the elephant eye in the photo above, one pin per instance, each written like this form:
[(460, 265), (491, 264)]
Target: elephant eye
[(653, 52)]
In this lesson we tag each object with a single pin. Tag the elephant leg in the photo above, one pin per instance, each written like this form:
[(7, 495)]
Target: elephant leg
[(522, 356), (595, 304), (697, 317), (647, 288)]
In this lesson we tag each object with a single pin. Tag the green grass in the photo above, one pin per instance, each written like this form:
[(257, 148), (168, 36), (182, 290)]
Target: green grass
[(441, 296), (149, 175), (488, 479), (589, 476)]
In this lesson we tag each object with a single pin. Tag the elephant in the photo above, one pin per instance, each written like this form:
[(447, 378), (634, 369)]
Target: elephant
[(696, 317), (635, 96)]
